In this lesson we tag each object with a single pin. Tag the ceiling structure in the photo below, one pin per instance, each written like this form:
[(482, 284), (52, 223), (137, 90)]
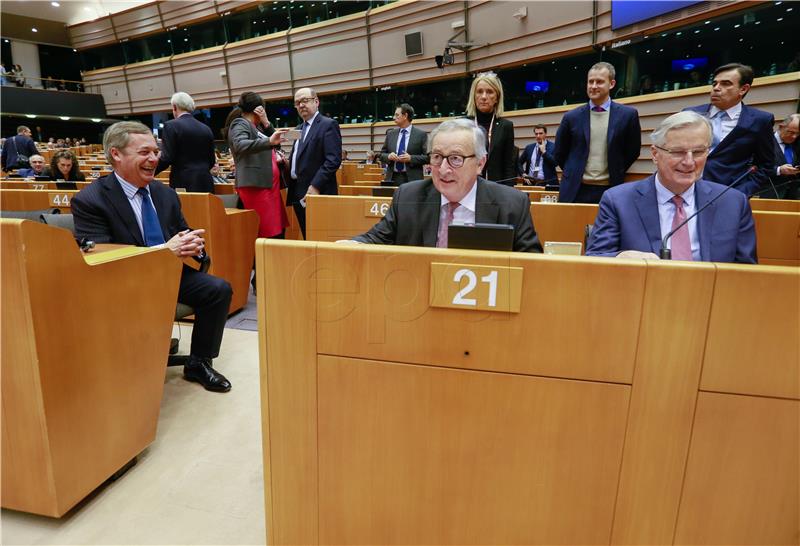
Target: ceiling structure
[(69, 12)]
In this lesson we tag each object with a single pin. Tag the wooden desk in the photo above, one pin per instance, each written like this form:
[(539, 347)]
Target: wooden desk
[(389, 421), (230, 240), (780, 205), (778, 237), (78, 403), (36, 199)]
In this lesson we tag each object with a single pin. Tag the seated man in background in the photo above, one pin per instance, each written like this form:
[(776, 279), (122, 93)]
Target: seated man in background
[(634, 218), (422, 210), (128, 207), (37, 167)]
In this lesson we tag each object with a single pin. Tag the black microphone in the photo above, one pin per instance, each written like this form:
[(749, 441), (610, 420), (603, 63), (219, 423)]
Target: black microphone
[(774, 187), (666, 253), (504, 180)]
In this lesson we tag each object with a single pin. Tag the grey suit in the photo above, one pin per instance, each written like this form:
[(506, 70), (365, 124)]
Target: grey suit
[(251, 154), (413, 217), (416, 147)]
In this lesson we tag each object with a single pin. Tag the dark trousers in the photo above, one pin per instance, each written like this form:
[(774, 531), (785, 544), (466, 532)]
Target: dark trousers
[(590, 194), (210, 297), (397, 179), (300, 212)]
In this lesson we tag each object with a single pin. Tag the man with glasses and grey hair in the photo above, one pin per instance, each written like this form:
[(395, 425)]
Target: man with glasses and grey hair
[(188, 145), (422, 210), (634, 218), (787, 158)]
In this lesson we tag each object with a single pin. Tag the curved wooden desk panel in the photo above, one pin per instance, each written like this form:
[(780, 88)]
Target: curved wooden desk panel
[(341, 217), (584, 418), (230, 240), (77, 403), (780, 205)]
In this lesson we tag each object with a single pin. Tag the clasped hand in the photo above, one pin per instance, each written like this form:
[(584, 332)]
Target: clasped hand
[(187, 243)]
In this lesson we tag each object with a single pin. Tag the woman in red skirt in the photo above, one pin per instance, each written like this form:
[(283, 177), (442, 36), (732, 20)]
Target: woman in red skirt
[(253, 142)]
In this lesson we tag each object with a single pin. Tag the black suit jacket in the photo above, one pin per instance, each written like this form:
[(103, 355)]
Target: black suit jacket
[(103, 213), (748, 144), (416, 147), (188, 145), (548, 161), (413, 217), (788, 184), (318, 159), (502, 161), (18, 144)]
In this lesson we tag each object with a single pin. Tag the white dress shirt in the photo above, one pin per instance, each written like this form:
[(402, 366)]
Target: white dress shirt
[(297, 144), (465, 213), (729, 121), (666, 212)]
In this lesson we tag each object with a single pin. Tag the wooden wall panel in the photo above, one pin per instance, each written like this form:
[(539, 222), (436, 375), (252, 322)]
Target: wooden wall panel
[(150, 84), (388, 28), (92, 34), (260, 65), (183, 12), (112, 84), (137, 22), (199, 75)]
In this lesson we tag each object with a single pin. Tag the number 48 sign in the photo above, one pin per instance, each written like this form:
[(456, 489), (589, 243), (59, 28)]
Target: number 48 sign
[(476, 287)]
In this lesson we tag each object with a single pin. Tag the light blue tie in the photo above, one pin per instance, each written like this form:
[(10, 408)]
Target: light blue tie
[(716, 124), (152, 229)]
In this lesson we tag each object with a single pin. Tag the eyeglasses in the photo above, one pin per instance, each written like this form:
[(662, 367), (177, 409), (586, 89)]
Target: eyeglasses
[(305, 100), (453, 160), (697, 153)]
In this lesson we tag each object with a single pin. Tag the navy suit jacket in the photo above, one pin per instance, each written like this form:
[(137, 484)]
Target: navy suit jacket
[(572, 146), (318, 159), (786, 186), (188, 145), (749, 143), (628, 220), (548, 161), (103, 213), (18, 144)]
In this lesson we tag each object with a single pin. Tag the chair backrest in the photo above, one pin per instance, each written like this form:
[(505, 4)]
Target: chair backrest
[(60, 220), (230, 200), (35, 215)]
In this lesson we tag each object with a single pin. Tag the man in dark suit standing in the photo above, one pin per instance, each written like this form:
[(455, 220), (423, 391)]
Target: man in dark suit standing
[(316, 155), (742, 134), (421, 211), (21, 144), (598, 142), (786, 176), (129, 207), (404, 149), (187, 145), (634, 218), (537, 161)]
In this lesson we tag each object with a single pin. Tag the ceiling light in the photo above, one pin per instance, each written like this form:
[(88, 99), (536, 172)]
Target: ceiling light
[(96, 120), (74, 50), (697, 31), (34, 29), (741, 39), (55, 4), (6, 41), (30, 116), (737, 25), (789, 9), (707, 23), (65, 118), (780, 19), (716, 28)]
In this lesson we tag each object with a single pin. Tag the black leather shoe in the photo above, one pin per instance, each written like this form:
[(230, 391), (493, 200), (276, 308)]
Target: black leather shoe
[(200, 371)]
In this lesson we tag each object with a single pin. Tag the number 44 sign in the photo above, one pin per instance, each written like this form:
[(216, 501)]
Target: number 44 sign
[(476, 287)]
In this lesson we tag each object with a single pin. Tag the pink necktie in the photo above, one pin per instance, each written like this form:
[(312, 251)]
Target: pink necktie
[(681, 246), (441, 240)]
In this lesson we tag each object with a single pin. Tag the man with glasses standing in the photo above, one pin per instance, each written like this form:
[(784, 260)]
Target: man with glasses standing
[(316, 155), (422, 210), (742, 135), (634, 218)]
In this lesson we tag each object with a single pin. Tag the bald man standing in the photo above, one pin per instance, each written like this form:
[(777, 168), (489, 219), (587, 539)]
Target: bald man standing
[(316, 155)]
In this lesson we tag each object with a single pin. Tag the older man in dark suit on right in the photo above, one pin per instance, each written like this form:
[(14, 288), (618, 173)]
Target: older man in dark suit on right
[(742, 134)]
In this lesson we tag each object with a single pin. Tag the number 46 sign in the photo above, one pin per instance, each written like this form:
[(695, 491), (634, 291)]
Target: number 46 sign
[(476, 287)]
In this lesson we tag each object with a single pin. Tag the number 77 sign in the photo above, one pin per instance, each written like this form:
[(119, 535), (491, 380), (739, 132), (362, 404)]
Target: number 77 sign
[(476, 287)]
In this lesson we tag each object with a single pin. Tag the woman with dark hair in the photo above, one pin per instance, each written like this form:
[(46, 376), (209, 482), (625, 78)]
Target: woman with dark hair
[(485, 106), (253, 143), (64, 166)]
